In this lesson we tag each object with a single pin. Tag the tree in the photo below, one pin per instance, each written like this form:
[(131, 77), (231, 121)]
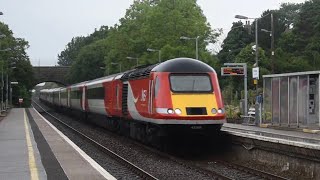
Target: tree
[(159, 25), (146, 24), (238, 38), (89, 62), (16, 63), (300, 45), (67, 56)]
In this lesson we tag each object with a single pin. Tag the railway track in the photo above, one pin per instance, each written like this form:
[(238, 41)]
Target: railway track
[(140, 172), (245, 172), (251, 171), (143, 174)]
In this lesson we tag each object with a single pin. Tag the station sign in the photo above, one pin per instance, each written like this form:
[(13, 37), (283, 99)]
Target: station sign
[(255, 73), (232, 71)]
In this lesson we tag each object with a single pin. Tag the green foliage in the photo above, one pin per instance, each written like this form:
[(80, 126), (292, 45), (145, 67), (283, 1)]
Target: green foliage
[(146, 24), (298, 48), (16, 64), (159, 25), (232, 112), (89, 62), (69, 55), (297, 44), (237, 39), (240, 37)]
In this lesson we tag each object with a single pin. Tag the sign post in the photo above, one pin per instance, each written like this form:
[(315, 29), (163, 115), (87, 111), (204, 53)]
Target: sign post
[(255, 73), (12, 83), (238, 69)]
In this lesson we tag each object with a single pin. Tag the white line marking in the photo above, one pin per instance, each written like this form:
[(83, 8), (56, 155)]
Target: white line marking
[(93, 163), (277, 140)]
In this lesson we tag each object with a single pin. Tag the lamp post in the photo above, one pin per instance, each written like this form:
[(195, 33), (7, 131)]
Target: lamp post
[(2, 81), (113, 63), (155, 50), (133, 58), (256, 34), (256, 39), (272, 42), (196, 38)]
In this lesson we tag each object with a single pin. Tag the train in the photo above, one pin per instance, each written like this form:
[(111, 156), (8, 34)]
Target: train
[(180, 95)]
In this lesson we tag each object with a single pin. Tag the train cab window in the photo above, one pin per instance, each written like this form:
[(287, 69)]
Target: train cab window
[(186, 83)]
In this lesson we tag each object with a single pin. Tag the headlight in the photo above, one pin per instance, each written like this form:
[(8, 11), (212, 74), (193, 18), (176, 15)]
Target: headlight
[(220, 111), (213, 111), (170, 111), (177, 111)]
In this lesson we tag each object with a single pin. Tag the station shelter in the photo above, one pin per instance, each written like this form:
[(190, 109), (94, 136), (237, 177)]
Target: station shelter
[(292, 100)]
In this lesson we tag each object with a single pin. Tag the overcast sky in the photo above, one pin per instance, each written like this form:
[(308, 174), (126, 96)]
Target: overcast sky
[(50, 25)]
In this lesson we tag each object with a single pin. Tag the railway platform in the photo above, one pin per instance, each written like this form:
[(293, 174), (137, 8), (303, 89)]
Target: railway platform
[(32, 148), (286, 150), (278, 136)]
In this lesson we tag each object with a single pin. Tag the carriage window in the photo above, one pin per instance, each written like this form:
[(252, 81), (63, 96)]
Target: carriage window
[(96, 93), (63, 95), (75, 94), (190, 83)]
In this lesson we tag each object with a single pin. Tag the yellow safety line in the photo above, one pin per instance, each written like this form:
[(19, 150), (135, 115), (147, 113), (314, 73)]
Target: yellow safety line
[(32, 163)]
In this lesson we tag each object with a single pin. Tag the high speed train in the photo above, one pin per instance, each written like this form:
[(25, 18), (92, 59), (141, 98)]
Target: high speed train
[(180, 95)]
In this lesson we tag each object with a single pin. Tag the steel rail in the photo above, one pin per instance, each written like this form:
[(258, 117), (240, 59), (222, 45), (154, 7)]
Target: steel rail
[(256, 172)]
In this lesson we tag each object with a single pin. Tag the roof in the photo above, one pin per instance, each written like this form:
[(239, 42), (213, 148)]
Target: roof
[(291, 74), (177, 65), (183, 65)]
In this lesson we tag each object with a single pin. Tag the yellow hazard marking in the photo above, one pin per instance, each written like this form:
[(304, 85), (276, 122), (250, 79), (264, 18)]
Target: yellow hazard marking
[(182, 101), (264, 125), (311, 131), (32, 162)]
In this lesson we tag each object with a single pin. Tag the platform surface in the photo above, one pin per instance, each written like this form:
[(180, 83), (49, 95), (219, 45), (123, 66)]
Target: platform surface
[(17, 159), (32, 148), (289, 137)]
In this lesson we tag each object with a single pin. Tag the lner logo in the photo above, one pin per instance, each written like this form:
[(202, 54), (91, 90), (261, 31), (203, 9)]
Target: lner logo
[(143, 95)]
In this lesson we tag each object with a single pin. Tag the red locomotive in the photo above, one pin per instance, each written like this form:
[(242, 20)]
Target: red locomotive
[(180, 94)]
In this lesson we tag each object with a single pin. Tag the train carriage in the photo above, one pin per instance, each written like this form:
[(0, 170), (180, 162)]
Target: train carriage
[(98, 95), (64, 97), (56, 96), (77, 97)]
